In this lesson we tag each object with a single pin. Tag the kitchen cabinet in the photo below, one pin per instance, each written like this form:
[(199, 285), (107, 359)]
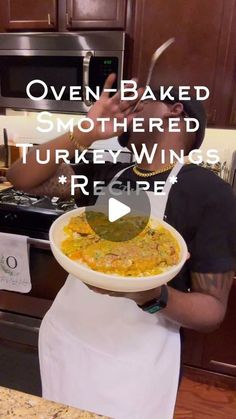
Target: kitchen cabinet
[(215, 351), (95, 14), (219, 350), (30, 14), (228, 88), (231, 117), (202, 39), (63, 15)]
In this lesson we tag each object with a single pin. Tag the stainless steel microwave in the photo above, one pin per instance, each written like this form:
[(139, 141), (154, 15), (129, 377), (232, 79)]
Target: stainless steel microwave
[(60, 60)]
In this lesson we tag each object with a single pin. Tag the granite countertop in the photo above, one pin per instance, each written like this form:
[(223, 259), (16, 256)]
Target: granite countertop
[(14, 404)]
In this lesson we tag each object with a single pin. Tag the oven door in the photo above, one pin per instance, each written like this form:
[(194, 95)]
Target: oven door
[(20, 319), (19, 361), (43, 81)]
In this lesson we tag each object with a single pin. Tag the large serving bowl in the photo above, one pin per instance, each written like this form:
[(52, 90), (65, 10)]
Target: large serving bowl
[(107, 281)]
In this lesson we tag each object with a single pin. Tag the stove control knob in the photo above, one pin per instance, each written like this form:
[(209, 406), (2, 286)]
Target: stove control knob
[(10, 217)]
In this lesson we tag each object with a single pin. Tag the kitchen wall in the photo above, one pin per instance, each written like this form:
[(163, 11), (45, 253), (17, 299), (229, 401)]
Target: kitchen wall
[(224, 140)]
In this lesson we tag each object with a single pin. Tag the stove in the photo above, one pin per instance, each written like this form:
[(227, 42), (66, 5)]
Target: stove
[(21, 314), (23, 213)]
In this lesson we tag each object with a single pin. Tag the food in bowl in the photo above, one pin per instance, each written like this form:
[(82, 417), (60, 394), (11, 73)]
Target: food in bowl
[(153, 251)]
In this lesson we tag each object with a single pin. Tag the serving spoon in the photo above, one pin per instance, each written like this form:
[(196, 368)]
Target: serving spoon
[(159, 51)]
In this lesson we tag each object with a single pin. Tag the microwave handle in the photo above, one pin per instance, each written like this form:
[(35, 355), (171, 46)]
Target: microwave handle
[(86, 64)]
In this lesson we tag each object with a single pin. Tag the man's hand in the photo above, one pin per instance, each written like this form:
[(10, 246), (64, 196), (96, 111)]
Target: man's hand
[(110, 107), (140, 298)]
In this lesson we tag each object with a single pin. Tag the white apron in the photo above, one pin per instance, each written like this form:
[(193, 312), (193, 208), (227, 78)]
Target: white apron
[(106, 355)]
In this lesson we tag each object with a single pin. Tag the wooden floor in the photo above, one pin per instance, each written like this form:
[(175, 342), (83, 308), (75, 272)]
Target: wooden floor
[(202, 401)]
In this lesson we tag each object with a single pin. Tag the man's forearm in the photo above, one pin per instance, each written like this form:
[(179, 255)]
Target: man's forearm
[(194, 310), (31, 174)]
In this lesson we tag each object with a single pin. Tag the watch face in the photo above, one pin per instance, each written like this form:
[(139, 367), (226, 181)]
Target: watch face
[(154, 309), (152, 306), (157, 304)]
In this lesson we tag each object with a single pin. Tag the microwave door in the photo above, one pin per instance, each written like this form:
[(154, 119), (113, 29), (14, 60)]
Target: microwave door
[(42, 82)]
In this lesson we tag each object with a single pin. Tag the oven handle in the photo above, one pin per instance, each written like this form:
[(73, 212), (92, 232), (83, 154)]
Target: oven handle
[(86, 64), (17, 325), (39, 243)]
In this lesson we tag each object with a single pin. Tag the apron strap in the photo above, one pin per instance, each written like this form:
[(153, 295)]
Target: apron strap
[(158, 203), (120, 172), (174, 172)]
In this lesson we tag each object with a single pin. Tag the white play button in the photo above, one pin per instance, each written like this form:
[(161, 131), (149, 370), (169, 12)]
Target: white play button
[(112, 216), (116, 210)]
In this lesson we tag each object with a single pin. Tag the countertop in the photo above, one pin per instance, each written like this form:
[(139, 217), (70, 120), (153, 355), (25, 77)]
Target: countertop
[(14, 404)]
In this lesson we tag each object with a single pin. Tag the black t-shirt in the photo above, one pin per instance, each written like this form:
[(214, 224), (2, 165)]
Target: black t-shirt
[(201, 206)]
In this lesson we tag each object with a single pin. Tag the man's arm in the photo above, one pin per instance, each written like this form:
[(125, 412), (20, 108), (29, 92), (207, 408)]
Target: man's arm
[(203, 309), (51, 187), (42, 179)]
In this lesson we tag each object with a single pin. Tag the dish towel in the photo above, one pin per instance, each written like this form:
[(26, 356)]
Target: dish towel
[(14, 263)]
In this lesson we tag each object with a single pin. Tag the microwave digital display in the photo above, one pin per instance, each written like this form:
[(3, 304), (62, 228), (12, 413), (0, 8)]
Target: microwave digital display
[(100, 68)]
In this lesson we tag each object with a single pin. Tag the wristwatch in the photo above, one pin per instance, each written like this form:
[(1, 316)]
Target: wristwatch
[(156, 304)]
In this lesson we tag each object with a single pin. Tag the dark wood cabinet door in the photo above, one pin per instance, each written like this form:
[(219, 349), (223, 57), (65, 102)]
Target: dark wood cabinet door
[(229, 86), (31, 14), (192, 348), (200, 28), (232, 111), (215, 351), (220, 347), (95, 14)]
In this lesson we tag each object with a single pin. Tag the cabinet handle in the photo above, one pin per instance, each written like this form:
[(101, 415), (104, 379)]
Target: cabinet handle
[(68, 20), (39, 243), (49, 19), (233, 117), (223, 364), (20, 326)]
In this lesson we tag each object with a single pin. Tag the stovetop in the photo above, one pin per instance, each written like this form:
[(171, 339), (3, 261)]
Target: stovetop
[(23, 201), (31, 215)]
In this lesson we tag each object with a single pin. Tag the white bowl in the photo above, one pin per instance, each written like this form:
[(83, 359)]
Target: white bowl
[(107, 281)]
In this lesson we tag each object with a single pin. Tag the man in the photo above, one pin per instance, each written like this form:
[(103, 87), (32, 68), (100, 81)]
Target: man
[(103, 352)]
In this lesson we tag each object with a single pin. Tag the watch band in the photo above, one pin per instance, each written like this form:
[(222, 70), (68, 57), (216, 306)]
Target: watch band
[(157, 304)]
